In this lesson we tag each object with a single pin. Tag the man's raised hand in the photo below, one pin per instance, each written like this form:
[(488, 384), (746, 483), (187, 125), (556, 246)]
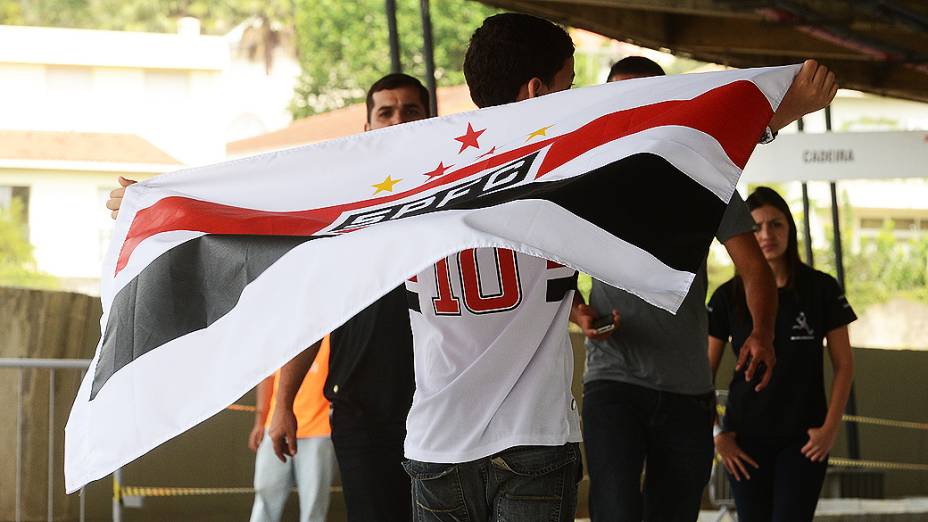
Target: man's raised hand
[(116, 196), (812, 89)]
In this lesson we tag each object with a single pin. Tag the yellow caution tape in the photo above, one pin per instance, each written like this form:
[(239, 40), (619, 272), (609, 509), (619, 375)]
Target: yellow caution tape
[(886, 422), (154, 491), (145, 491), (877, 464), (861, 419)]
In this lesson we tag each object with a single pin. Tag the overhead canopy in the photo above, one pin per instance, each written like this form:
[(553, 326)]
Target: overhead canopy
[(842, 155), (876, 46)]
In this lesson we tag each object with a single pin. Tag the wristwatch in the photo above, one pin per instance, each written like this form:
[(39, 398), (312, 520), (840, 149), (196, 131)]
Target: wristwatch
[(767, 136)]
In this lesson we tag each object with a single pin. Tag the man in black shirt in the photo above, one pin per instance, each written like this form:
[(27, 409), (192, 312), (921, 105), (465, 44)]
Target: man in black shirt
[(370, 386), (371, 380)]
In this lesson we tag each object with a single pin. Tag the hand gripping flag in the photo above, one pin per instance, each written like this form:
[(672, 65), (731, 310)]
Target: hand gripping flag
[(218, 275)]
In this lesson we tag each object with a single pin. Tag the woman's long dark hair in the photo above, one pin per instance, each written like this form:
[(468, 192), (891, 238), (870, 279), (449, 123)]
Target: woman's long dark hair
[(767, 196)]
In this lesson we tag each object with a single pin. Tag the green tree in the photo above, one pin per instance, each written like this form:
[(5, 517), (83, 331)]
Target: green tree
[(884, 266), (17, 266), (157, 16), (343, 47)]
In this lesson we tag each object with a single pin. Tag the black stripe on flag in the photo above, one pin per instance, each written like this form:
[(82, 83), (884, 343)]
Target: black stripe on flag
[(184, 290), (642, 199), (412, 300)]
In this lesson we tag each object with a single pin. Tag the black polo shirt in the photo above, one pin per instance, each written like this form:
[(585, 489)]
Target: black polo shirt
[(371, 378), (795, 398)]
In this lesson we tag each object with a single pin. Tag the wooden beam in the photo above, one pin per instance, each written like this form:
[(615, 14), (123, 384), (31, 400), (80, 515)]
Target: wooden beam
[(736, 42), (895, 80), (694, 33), (721, 8), (752, 37)]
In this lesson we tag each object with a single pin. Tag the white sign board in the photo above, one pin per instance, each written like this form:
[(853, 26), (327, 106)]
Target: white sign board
[(835, 156)]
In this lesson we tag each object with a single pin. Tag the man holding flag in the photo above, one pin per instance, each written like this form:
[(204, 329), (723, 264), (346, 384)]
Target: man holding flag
[(493, 431), (209, 263)]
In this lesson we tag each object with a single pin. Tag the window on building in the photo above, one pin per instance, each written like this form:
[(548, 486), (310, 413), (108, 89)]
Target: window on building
[(902, 227), (904, 224), (871, 223), (15, 197)]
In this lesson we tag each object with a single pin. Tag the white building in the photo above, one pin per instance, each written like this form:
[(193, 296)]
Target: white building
[(79, 107)]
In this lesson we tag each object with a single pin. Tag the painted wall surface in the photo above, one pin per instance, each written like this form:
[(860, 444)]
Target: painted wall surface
[(186, 94)]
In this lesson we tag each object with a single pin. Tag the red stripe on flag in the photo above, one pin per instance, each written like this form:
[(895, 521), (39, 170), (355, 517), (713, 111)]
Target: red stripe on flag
[(728, 122), (734, 114), (553, 265)]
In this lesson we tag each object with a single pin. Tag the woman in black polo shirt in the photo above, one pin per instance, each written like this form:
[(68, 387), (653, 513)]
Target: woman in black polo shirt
[(775, 442)]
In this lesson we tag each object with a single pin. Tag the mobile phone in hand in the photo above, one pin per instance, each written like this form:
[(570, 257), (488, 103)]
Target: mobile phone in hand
[(603, 324)]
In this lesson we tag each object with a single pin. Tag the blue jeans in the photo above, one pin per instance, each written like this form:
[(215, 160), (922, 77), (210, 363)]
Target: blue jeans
[(629, 429), (524, 483)]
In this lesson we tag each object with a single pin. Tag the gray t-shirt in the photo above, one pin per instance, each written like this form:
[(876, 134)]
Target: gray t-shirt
[(652, 347)]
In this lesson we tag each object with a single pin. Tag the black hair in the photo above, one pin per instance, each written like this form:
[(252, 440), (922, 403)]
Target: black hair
[(636, 66), (767, 196), (510, 49), (395, 81)]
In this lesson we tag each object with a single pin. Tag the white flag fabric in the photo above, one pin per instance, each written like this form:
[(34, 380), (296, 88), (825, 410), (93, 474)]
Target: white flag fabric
[(218, 275)]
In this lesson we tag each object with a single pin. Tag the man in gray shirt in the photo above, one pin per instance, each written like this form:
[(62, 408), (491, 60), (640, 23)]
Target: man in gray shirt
[(649, 400)]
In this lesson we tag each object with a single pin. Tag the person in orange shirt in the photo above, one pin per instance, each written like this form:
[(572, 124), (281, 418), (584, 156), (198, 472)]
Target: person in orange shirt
[(313, 469)]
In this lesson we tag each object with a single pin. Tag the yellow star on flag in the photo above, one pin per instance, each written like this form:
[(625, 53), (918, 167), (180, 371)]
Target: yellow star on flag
[(385, 185), (539, 132)]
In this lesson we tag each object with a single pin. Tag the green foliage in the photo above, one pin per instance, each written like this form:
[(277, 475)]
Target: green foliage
[(11, 12), (885, 267), (142, 15), (17, 266), (344, 47)]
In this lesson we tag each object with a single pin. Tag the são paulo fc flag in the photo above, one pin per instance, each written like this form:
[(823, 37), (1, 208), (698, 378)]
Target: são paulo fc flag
[(218, 275)]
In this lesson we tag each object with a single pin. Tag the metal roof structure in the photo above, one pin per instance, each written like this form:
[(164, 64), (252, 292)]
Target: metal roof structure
[(875, 46)]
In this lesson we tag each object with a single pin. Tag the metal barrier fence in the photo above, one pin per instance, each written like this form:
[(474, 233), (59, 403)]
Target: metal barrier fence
[(123, 495), (52, 365)]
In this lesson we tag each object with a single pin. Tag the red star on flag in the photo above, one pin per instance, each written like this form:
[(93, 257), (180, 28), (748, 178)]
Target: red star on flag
[(439, 170), (469, 139), (487, 153)]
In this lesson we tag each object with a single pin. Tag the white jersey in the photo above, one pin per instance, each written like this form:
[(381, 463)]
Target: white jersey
[(493, 359)]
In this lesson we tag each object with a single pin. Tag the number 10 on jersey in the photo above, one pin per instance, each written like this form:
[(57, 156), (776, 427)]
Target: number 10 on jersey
[(476, 300)]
